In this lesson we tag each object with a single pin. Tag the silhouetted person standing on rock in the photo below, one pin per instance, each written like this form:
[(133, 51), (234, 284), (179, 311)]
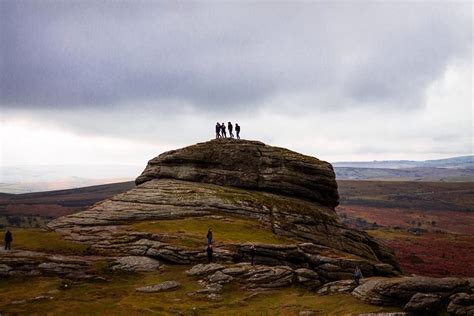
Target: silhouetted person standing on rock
[(218, 130), (209, 251), (357, 275), (8, 240), (224, 134), (209, 236), (237, 130), (230, 128)]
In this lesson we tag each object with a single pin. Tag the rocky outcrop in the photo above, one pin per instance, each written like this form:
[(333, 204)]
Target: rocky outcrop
[(171, 199), (252, 276), (290, 194), (424, 303), (249, 165), (136, 264), (461, 304), (337, 287), (31, 263), (162, 287), (417, 294)]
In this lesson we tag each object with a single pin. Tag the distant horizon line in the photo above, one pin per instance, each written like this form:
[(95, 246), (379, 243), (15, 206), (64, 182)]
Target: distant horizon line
[(141, 164)]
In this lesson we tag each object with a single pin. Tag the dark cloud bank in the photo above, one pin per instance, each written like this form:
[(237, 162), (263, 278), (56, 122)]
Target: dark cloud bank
[(217, 55)]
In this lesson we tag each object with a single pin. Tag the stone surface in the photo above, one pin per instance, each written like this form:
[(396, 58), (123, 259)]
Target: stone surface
[(337, 287), (399, 291), (461, 304), (171, 199), (162, 287), (249, 165), (307, 278), (204, 269), (290, 194), (220, 278), (32, 263), (423, 303), (136, 264)]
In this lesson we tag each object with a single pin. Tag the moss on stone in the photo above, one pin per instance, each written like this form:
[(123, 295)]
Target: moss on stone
[(192, 231), (45, 241)]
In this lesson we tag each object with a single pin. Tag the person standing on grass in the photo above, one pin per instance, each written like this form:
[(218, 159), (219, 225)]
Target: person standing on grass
[(209, 236), (209, 251), (237, 130), (8, 240), (252, 254), (357, 275)]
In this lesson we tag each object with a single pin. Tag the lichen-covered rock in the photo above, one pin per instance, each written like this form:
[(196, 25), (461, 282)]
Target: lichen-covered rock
[(162, 199), (249, 165), (292, 195), (204, 269), (337, 287), (461, 304), (399, 291), (162, 287), (136, 264), (32, 263), (424, 303), (307, 278), (220, 277), (269, 277)]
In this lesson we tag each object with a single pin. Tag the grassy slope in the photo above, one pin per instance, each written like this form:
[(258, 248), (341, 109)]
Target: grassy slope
[(45, 241), (192, 231), (118, 297)]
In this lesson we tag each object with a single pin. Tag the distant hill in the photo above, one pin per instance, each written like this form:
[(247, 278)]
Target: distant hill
[(462, 162), (59, 202), (450, 170)]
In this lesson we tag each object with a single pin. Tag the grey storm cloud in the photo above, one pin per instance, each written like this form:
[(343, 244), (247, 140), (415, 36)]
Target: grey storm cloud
[(60, 54)]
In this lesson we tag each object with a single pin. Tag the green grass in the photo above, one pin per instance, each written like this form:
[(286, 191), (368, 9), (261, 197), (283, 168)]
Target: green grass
[(192, 231), (45, 241), (118, 297)]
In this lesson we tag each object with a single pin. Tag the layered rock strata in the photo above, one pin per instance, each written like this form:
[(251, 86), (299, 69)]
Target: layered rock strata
[(292, 195)]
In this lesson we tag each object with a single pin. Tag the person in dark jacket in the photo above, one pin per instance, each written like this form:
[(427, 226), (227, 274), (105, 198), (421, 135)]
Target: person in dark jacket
[(230, 128), (218, 130), (357, 275), (209, 251), (8, 240), (252, 254), (237, 130), (209, 236), (223, 133)]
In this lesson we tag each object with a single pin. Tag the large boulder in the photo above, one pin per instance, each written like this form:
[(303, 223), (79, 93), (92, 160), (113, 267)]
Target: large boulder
[(400, 291), (292, 195), (249, 165), (462, 304), (161, 287)]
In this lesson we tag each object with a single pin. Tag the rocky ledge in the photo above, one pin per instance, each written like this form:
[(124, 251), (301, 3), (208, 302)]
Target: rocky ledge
[(291, 194), (249, 165), (421, 295)]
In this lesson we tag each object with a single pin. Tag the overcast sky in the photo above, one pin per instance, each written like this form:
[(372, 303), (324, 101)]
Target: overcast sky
[(121, 81)]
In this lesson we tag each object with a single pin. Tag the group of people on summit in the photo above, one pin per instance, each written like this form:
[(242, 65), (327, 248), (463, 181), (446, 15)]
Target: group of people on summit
[(221, 130)]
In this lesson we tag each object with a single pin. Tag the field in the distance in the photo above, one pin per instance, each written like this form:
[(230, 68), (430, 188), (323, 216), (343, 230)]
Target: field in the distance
[(430, 225)]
